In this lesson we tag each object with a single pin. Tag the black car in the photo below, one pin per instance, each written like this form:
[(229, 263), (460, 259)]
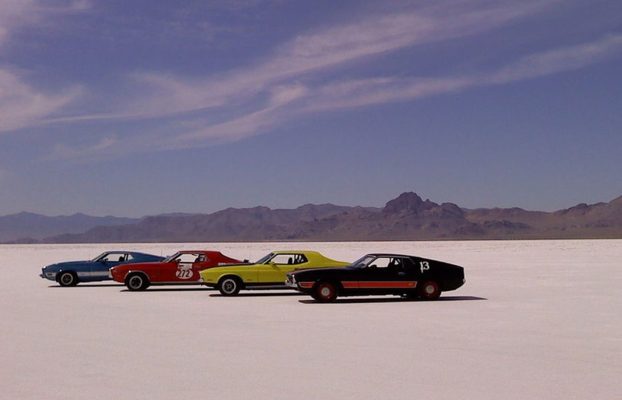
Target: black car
[(373, 274)]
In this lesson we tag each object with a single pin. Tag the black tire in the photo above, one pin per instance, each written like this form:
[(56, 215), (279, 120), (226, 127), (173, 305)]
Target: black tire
[(67, 278), (136, 281), (229, 285), (325, 292), (429, 290)]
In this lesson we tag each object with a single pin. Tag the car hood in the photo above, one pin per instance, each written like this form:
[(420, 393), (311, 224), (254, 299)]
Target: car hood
[(229, 268), (67, 264), (323, 271)]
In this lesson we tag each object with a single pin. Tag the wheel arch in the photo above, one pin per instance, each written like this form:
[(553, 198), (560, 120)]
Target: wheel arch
[(333, 281), (131, 272), (231, 275), (62, 271)]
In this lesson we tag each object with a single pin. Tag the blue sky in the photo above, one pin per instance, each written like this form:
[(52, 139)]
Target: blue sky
[(133, 108)]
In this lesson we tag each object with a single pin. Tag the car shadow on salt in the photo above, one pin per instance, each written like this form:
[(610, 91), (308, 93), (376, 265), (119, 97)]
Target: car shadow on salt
[(394, 300), (176, 289), (269, 294), (88, 285)]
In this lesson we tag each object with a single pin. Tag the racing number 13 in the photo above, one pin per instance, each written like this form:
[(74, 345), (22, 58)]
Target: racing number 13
[(424, 266)]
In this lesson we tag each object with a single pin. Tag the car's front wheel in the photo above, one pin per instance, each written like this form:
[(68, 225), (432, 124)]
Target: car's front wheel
[(430, 290), (229, 286), (67, 278), (136, 282), (325, 292)]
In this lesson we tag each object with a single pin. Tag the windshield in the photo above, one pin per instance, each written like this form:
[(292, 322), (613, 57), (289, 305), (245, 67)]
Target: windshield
[(363, 262), (102, 255), (265, 259), (171, 258)]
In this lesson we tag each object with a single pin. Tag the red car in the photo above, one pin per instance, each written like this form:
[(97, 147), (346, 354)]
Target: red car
[(181, 268)]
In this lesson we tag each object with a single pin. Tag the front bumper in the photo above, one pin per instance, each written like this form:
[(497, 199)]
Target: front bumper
[(48, 275), (290, 281), (453, 284), (304, 287)]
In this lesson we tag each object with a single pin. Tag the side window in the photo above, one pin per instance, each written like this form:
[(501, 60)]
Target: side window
[(289, 259), (128, 257), (114, 257), (381, 262), (396, 263), (188, 258)]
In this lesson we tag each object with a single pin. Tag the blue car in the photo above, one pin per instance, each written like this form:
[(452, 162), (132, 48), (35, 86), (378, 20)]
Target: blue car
[(71, 273)]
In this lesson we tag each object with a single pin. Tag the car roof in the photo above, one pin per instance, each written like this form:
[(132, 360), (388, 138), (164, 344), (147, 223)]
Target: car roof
[(294, 251), (389, 255), (138, 253), (124, 251)]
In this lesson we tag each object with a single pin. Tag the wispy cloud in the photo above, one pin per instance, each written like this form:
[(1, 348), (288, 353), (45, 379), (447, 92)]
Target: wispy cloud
[(321, 51), (350, 94), (84, 152), (306, 56), (15, 14), (21, 104), (301, 77), (360, 93), (558, 60)]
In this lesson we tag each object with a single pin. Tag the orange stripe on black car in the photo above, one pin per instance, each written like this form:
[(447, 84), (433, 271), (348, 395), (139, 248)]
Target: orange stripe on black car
[(379, 284)]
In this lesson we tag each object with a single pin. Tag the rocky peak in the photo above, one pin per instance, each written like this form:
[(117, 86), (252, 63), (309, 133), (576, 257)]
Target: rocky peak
[(408, 202)]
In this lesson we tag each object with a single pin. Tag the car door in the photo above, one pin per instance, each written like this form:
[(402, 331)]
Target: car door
[(99, 269), (386, 274), (274, 271), (186, 270)]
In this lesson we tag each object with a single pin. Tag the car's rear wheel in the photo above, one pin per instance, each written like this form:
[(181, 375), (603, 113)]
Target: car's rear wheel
[(429, 290), (229, 285), (325, 292), (67, 278), (136, 281)]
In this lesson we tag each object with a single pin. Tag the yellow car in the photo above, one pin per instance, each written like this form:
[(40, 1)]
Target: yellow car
[(267, 273)]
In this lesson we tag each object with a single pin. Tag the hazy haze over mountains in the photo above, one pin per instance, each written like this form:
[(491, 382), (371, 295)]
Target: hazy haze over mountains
[(407, 217)]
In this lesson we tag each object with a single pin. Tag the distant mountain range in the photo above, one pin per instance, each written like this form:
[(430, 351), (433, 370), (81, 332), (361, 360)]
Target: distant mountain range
[(407, 217), (28, 227)]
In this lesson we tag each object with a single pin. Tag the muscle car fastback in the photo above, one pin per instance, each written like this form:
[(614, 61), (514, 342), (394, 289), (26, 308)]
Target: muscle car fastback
[(380, 274)]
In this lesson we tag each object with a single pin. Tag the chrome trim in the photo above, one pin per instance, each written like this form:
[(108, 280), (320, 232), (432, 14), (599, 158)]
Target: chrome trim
[(91, 273)]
